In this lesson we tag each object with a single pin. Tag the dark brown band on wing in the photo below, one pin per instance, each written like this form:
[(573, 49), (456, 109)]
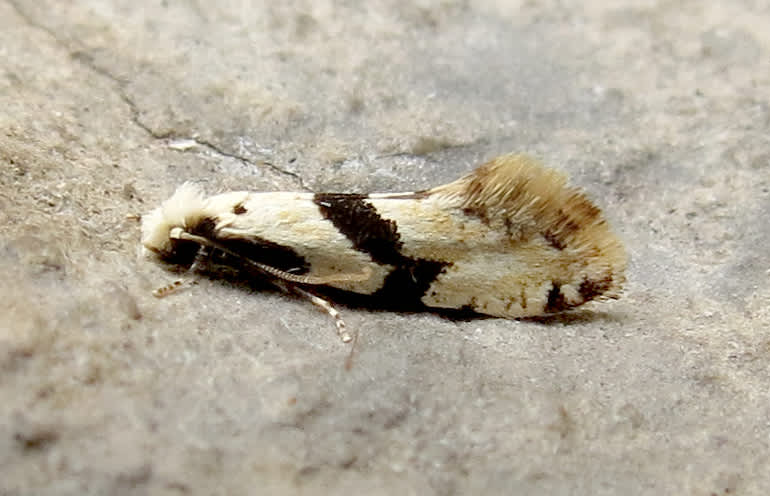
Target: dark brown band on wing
[(359, 221), (370, 233), (590, 289), (405, 286), (556, 301)]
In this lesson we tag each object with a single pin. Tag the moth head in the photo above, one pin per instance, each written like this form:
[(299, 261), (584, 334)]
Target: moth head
[(186, 209)]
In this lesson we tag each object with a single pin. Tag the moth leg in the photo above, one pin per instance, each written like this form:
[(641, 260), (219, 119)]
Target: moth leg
[(342, 332), (171, 287), (186, 281)]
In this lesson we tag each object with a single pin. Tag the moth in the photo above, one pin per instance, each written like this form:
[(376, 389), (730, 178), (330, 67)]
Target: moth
[(510, 239)]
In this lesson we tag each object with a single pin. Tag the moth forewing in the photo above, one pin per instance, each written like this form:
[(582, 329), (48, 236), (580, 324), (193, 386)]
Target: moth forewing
[(510, 239)]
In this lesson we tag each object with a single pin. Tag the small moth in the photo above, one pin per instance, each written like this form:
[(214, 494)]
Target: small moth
[(510, 239)]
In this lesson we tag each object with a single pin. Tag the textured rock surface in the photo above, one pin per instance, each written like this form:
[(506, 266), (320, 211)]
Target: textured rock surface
[(658, 109)]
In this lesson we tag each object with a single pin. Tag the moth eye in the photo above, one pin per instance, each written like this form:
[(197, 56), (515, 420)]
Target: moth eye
[(239, 209), (182, 253)]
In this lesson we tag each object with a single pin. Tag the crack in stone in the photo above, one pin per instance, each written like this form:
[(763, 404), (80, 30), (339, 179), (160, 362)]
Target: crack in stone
[(216, 149), (81, 56)]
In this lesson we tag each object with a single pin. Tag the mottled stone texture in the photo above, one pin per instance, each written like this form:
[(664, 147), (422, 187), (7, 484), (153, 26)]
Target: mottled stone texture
[(658, 109)]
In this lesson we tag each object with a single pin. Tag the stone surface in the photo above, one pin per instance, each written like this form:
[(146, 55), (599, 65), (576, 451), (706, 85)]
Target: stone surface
[(658, 109)]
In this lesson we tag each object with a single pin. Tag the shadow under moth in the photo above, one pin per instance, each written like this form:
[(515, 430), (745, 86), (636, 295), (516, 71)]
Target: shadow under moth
[(510, 239)]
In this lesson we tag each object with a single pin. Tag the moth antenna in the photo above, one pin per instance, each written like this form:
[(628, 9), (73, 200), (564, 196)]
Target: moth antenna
[(351, 354), (342, 331), (311, 280), (178, 233)]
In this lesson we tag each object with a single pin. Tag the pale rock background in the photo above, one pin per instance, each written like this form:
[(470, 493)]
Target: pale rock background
[(658, 109)]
